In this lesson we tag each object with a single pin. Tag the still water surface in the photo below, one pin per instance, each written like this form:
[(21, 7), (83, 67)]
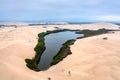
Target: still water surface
[(53, 43)]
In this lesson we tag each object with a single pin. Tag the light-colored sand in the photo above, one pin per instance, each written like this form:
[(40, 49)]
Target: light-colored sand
[(93, 58)]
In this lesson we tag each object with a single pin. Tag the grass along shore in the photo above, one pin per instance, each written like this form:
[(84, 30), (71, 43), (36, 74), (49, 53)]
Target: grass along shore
[(39, 49), (65, 49)]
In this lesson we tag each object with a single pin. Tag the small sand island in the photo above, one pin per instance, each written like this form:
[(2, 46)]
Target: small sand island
[(93, 57)]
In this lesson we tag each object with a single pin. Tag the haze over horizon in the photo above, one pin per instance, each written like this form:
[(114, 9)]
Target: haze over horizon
[(62, 10)]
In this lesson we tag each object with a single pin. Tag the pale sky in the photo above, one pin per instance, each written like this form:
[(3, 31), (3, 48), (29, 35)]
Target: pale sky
[(60, 10)]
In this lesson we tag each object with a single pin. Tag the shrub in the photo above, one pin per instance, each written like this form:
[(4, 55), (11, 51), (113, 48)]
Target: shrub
[(63, 52), (31, 64), (105, 38)]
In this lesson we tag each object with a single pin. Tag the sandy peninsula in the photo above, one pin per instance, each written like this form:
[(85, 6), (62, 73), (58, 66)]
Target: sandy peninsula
[(92, 58)]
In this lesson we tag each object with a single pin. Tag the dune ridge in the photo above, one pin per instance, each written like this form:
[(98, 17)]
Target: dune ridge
[(92, 58)]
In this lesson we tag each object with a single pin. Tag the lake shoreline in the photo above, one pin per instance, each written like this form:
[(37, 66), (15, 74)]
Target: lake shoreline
[(39, 49)]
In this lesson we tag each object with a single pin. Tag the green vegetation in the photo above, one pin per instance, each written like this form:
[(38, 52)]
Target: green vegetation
[(63, 52), (39, 49), (31, 64), (88, 33)]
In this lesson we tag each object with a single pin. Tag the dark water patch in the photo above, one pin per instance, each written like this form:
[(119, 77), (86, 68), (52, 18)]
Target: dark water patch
[(53, 43)]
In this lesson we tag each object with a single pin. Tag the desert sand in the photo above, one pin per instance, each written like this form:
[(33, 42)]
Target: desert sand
[(92, 58)]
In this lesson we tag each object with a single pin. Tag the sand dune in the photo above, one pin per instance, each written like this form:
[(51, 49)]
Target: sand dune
[(93, 58)]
